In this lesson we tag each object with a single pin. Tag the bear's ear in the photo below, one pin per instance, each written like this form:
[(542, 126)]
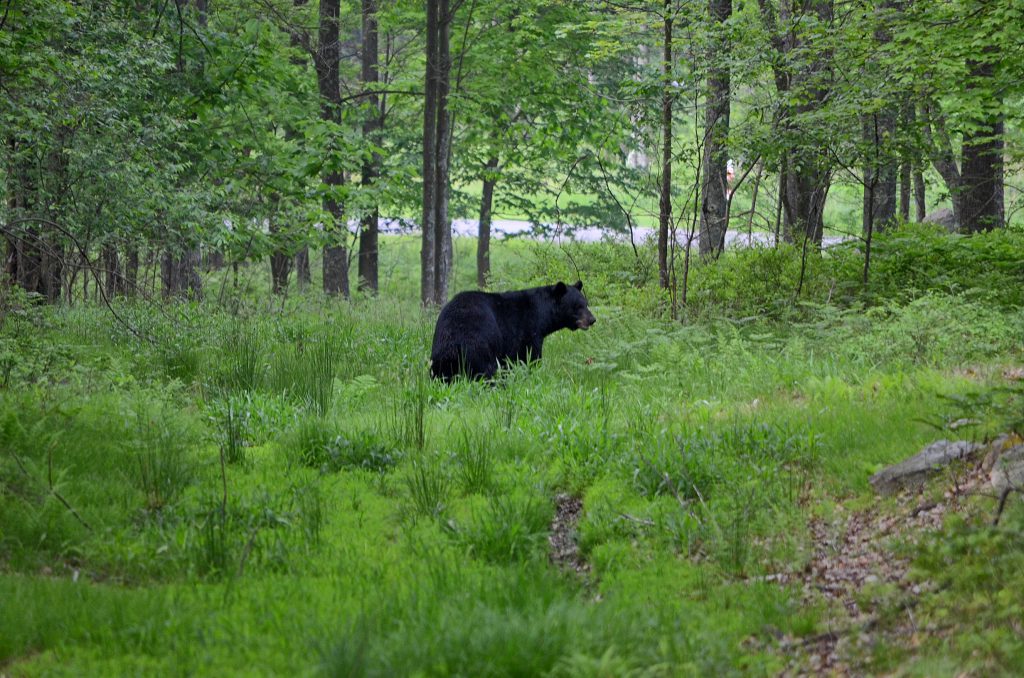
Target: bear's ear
[(559, 289), (579, 285)]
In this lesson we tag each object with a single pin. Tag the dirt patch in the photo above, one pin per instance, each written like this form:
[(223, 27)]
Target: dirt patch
[(852, 551), (564, 552)]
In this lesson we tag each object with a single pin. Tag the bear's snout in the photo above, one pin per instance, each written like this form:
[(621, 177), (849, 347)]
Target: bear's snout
[(586, 320)]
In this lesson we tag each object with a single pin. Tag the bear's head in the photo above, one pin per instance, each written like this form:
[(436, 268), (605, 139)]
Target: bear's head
[(571, 306)]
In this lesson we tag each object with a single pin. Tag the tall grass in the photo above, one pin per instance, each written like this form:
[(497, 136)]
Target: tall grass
[(305, 371), (400, 525)]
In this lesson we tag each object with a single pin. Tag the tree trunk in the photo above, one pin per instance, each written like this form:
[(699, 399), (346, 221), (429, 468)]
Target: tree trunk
[(214, 260), (188, 273), (715, 187), (131, 270), (280, 260), (665, 199), (982, 165), (919, 196), (168, 275), (807, 181), (303, 276), (880, 172), (807, 170), (941, 151), (179, 275), (368, 231), (328, 62), (905, 191), (442, 224), (113, 281), (427, 250), (483, 244)]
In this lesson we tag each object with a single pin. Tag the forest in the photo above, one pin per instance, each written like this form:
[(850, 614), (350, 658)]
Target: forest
[(792, 443)]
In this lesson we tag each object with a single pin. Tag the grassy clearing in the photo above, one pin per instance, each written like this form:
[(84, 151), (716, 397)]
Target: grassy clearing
[(287, 492)]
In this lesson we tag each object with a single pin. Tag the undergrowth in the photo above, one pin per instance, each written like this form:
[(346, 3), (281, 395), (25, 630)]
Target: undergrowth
[(288, 489)]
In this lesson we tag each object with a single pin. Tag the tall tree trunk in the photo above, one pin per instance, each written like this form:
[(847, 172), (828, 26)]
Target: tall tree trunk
[(665, 201), (982, 165), (483, 244), (429, 244), (303, 276), (905, 191), (280, 260), (941, 151), (213, 260), (169, 285), (715, 187), (442, 223), (179, 274), (188, 273), (807, 181), (131, 270), (919, 196), (112, 279), (880, 172), (328, 63), (807, 170), (368, 231), (912, 179)]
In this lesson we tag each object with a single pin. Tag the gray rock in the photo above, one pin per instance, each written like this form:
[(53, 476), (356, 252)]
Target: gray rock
[(943, 217), (916, 470), (1008, 470)]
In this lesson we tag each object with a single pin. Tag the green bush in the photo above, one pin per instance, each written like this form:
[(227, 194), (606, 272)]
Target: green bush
[(917, 259)]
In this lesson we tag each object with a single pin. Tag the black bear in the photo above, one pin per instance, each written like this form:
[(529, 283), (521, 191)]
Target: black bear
[(477, 331)]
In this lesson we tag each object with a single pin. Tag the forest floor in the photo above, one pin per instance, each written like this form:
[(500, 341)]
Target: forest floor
[(279, 488)]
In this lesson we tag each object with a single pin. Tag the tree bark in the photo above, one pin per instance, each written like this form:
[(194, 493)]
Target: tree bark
[(280, 260), (369, 227), (941, 151), (430, 91), (919, 196), (327, 62), (483, 244), (807, 173), (880, 172), (982, 164), (112, 280), (442, 224), (665, 201), (131, 270), (168, 275), (806, 184), (303, 276), (905, 191), (714, 193)]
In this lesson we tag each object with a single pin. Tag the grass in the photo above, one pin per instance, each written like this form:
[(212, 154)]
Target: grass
[(289, 491)]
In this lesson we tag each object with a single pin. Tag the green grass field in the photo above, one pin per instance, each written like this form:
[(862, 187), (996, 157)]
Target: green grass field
[(276, 488)]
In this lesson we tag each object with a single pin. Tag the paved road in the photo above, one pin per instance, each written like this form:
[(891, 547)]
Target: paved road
[(501, 228)]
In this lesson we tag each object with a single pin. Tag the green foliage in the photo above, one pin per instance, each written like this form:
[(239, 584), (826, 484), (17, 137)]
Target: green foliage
[(476, 468), (428, 488), (976, 572), (163, 469), (698, 451), (914, 260), (317, 443), (511, 528), (244, 360), (305, 372)]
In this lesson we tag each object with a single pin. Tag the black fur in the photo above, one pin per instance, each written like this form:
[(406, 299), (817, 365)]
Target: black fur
[(478, 331)]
